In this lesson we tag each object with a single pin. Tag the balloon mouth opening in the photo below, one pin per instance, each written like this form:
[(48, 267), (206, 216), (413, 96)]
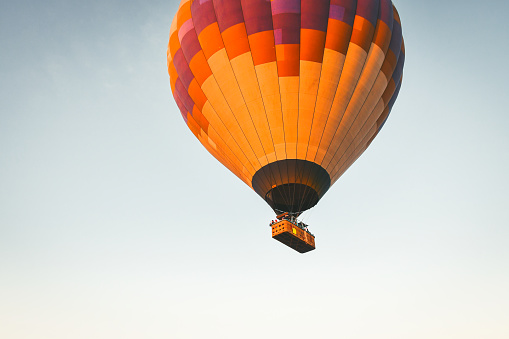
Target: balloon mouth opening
[(292, 198), (291, 185)]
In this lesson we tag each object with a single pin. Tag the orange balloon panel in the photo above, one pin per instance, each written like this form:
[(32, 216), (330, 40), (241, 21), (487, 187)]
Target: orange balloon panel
[(287, 94)]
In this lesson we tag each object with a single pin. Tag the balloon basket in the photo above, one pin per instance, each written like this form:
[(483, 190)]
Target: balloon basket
[(293, 236)]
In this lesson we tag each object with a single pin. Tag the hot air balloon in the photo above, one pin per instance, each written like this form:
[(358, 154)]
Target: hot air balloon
[(286, 94)]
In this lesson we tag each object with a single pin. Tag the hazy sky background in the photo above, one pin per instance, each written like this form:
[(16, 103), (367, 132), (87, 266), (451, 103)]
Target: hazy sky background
[(116, 223)]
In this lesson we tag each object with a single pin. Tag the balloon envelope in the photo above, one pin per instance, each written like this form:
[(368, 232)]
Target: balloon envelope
[(287, 94)]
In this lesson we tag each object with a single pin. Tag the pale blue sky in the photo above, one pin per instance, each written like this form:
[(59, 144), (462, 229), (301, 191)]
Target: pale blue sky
[(116, 223)]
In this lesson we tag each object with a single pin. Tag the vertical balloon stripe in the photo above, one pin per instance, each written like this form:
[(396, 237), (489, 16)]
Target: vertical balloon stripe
[(400, 59), (372, 133), (343, 136), (366, 135), (223, 83), (248, 82), (362, 35), (357, 133), (383, 75), (340, 24), (398, 74), (208, 112), (174, 47), (314, 20), (365, 23), (384, 29), (370, 127), (224, 75), (258, 17), (395, 44), (234, 34), (258, 23), (286, 23), (382, 120), (211, 42), (339, 30), (398, 71)]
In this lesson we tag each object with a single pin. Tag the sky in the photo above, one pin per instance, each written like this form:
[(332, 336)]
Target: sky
[(116, 223)]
